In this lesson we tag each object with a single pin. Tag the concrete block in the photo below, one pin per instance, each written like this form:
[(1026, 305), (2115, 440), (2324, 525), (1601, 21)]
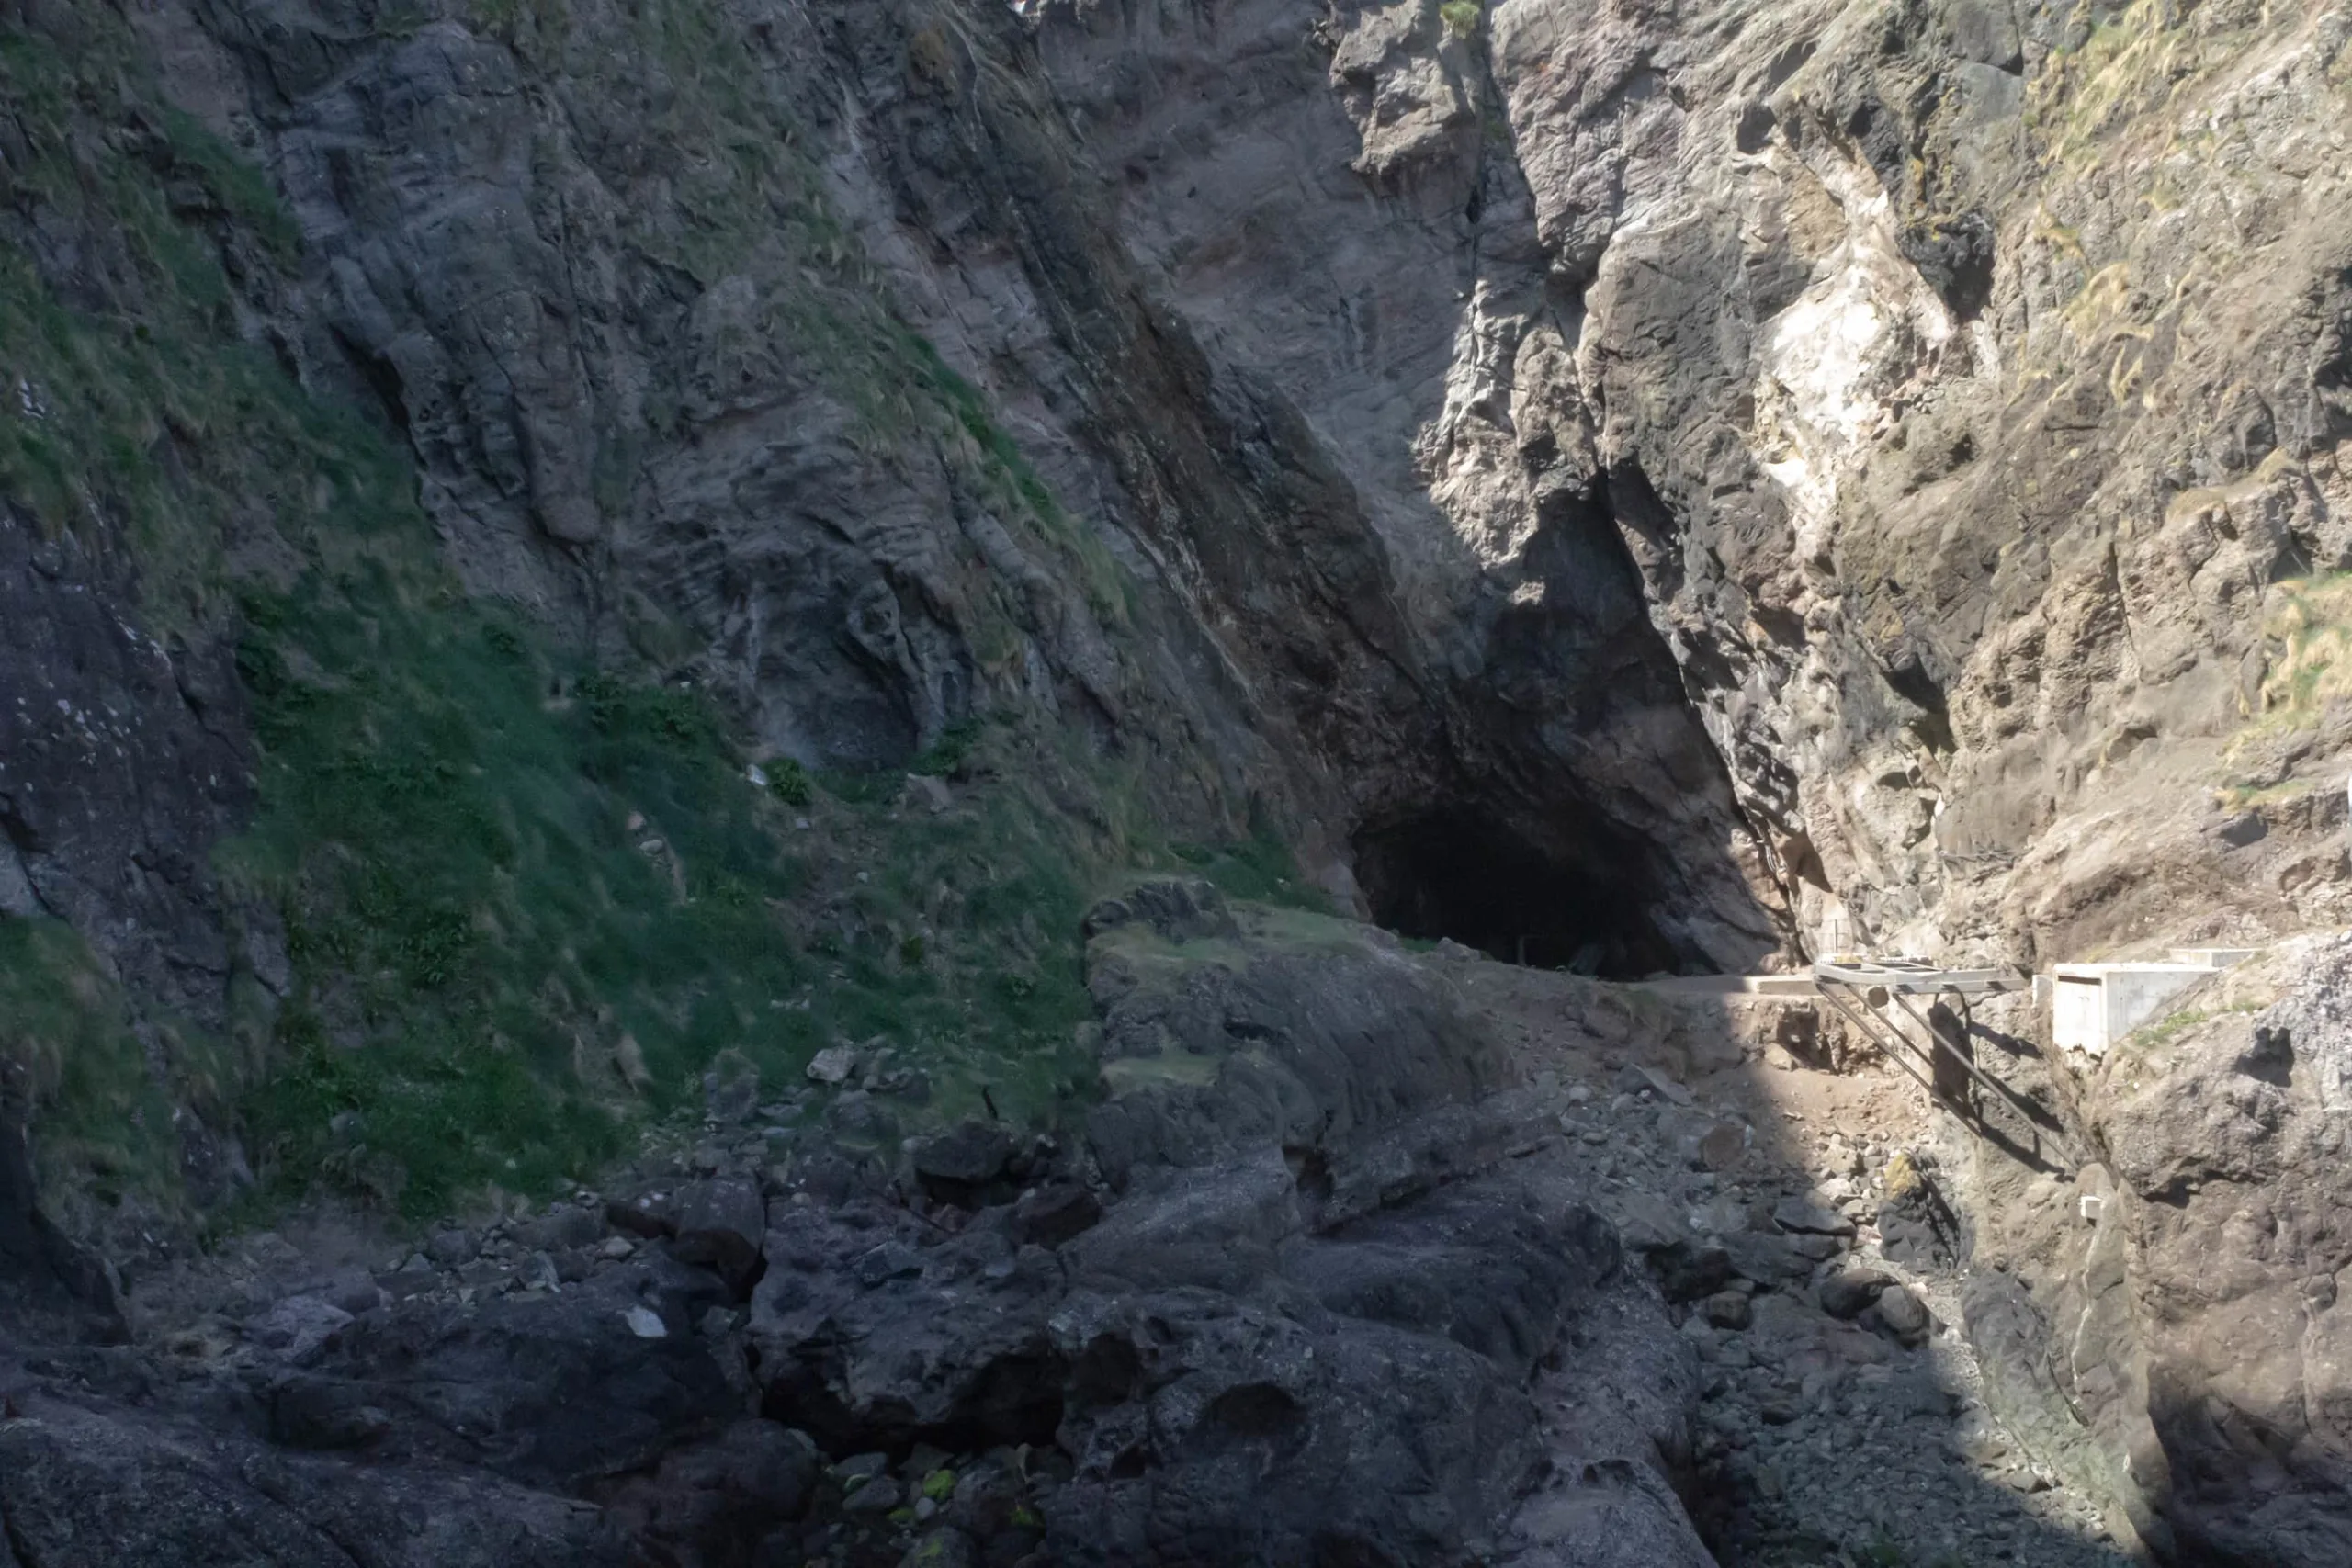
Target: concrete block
[(2095, 1005), (2212, 957)]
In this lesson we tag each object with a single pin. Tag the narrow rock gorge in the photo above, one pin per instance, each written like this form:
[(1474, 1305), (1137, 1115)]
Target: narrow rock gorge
[(918, 781)]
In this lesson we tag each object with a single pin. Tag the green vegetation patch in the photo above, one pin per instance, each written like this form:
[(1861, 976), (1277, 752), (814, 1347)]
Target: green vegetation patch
[(2311, 626), (528, 901), (1259, 869), (2173, 1025), (529, 905), (69, 1048), (2240, 795)]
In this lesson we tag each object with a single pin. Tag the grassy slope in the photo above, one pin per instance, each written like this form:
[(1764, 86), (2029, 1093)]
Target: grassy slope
[(527, 902)]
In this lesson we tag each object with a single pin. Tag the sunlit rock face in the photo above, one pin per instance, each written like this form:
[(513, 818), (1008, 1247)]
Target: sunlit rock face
[(1825, 467), (1957, 381)]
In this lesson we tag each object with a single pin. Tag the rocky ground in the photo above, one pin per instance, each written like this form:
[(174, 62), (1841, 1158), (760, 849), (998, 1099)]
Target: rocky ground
[(1429, 1258), (1793, 1215)]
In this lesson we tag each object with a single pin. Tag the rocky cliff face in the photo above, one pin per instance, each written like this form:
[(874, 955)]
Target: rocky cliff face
[(550, 548), (2164, 1319), (1958, 380), (1758, 478), (738, 412)]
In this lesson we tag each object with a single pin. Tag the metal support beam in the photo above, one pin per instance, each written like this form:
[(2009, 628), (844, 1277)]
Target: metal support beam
[(1869, 1025), (1897, 1046), (2017, 1102)]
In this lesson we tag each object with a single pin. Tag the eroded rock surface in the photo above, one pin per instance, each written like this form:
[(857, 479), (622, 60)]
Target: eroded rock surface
[(2178, 1295), (1389, 1324), (1631, 486), (1255, 1356)]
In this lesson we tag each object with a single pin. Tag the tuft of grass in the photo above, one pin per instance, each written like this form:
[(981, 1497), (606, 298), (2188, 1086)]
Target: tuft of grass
[(70, 1050), (2244, 795), (2312, 626), (1462, 18), (1259, 869), (2308, 630), (1008, 478), (2173, 1025), (951, 752)]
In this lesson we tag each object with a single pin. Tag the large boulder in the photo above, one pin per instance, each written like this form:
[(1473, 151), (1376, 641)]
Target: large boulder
[(1225, 1032), (969, 1164), (721, 1224), (1233, 1381), (86, 1486), (1210, 1430), (870, 1335), (710, 1501), (550, 1391)]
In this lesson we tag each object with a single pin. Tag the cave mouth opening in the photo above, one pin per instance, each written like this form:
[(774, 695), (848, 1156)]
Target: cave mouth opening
[(1581, 900)]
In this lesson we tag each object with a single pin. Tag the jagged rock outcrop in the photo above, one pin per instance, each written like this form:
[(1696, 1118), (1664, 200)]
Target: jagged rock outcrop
[(1215, 1042), (2162, 1324), (1277, 1345)]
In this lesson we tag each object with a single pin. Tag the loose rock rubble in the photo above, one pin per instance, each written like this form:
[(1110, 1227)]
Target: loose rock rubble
[(1816, 1273), (1426, 1262)]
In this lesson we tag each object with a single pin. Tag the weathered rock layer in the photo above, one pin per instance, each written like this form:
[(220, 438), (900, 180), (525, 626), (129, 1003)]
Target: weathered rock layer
[(1629, 486)]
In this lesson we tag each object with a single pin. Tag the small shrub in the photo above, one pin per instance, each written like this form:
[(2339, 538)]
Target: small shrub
[(946, 756), (789, 782), (2310, 628), (668, 716), (1462, 18)]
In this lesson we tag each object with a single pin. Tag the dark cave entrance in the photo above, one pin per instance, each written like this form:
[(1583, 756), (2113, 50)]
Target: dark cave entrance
[(1584, 903)]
